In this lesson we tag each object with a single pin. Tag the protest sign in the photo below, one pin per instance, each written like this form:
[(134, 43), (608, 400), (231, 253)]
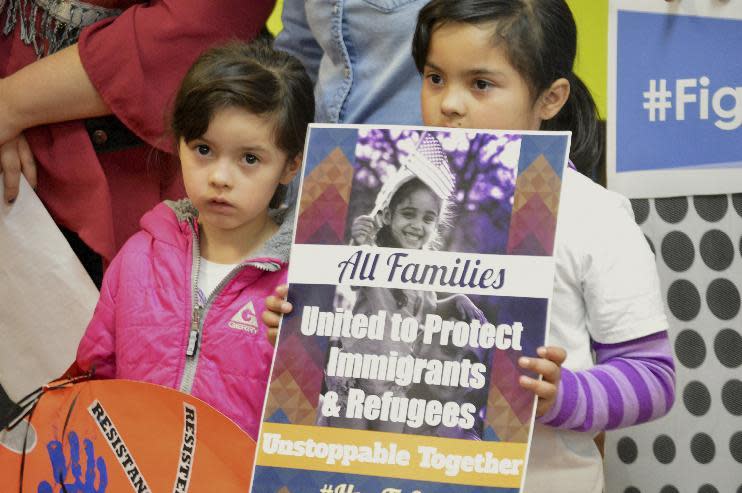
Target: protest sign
[(124, 436), (421, 271)]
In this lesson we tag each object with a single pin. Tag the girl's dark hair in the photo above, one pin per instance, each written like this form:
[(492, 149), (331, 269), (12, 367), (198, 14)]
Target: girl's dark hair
[(405, 190), (254, 77), (540, 39)]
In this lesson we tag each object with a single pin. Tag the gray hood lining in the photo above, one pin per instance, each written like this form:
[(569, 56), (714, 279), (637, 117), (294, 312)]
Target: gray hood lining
[(277, 247)]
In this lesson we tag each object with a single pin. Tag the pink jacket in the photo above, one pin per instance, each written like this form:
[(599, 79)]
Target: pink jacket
[(148, 327)]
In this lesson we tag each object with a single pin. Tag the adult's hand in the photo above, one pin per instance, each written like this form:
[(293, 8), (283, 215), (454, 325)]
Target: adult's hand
[(16, 159)]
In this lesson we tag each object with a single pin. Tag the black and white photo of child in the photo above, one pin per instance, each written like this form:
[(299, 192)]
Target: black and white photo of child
[(411, 211)]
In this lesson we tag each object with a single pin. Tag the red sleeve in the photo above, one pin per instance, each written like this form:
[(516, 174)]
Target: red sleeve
[(136, 60)]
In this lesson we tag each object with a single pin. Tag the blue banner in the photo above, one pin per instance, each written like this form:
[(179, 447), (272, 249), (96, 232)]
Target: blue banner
[(678, 92)]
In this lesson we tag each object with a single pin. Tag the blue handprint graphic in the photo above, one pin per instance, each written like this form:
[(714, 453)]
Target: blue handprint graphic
[(59, 468)]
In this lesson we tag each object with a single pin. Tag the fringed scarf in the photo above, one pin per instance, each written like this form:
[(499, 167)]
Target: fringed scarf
[(49, 25)]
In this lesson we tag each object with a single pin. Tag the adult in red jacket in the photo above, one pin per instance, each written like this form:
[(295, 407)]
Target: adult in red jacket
[(123, 58)]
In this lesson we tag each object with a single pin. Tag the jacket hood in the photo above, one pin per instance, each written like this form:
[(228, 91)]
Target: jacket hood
[(171, 222)]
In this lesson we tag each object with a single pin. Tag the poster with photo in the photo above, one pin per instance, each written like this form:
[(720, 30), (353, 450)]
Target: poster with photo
[(674, 98), (421, 270)]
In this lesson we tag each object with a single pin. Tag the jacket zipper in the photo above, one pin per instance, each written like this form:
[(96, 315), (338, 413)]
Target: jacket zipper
[(198, 314)]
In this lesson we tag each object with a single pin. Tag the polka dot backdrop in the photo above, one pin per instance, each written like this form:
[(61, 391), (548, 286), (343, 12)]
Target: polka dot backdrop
[(697, 448)]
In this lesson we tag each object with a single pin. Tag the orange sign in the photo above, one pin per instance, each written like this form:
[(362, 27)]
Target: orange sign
[(121, 436)]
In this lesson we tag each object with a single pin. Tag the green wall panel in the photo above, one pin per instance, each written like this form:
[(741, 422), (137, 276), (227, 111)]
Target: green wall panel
[(592, 47)]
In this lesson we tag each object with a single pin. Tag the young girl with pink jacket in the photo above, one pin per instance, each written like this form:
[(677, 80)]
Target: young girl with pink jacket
[(178, 304)]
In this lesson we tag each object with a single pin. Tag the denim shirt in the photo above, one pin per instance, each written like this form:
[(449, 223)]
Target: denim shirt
[(358, 54)]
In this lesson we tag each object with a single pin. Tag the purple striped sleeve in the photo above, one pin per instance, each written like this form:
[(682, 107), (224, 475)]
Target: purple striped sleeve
[(631, 383)]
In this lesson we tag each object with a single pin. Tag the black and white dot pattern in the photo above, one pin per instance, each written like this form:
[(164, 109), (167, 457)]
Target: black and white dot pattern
[(731, 397), (678, 251), (690, 348), (664, 449), (728, 348), (697, 398), (684, 300), (697, 447), (627, 450), (722, 298), (711, 207), (708, 488), (641, 210), (672, 210), (717, 250), (702, 447), (737, 202), (735, 446)]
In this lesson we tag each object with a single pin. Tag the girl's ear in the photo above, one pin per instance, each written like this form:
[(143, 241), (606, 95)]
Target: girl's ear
[(386, 216), (553, 99), (290, 169)]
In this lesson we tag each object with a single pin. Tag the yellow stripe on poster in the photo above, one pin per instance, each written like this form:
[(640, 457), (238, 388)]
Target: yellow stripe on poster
[(421, 458)]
